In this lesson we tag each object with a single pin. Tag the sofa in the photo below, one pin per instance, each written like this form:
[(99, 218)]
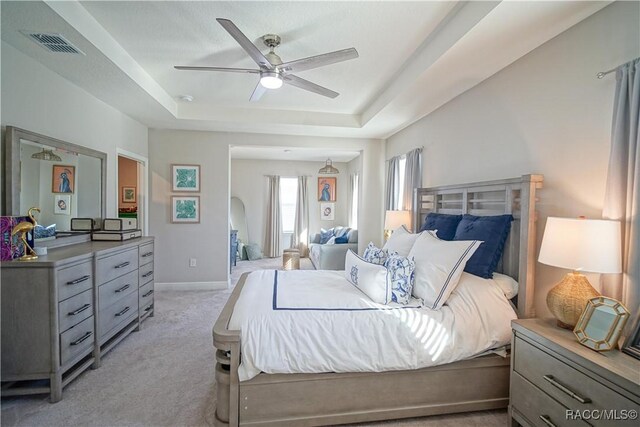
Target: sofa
[(330, 255)]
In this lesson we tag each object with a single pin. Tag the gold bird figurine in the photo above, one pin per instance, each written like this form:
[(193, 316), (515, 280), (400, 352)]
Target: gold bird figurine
[(24, 228)]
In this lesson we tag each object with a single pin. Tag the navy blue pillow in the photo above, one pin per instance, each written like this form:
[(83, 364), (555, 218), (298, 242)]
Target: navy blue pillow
[(343, 239), (445, 224), (493, 231)]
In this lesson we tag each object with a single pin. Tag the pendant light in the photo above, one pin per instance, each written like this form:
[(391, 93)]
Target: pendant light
[(328, 168), (46, 155)]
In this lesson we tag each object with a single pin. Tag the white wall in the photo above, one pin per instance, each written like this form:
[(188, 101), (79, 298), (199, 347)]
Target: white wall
[(209, 240), (37, 99), (249, 184), (547, 113)]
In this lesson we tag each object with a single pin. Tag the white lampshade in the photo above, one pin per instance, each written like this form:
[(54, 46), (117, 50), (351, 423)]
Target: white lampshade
[(582, 245), (395, 219)]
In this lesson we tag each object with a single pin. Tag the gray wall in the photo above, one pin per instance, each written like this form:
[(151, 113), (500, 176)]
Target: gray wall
[(37, 99), (546, 113), (209, 240)]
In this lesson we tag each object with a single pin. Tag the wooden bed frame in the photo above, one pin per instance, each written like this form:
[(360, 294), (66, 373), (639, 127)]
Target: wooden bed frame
[(337, 398)]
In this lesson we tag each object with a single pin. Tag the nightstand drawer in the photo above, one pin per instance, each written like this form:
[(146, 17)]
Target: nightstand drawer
[(567, 385), (537, 407)]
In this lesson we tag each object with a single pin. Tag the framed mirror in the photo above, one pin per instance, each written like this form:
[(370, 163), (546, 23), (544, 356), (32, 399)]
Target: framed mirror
[(64, 180), (601, 323)]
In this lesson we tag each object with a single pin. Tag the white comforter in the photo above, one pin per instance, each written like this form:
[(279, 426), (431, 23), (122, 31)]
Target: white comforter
[(316, 321)]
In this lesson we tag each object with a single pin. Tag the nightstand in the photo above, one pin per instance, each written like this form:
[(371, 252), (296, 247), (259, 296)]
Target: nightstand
[(555, 381)]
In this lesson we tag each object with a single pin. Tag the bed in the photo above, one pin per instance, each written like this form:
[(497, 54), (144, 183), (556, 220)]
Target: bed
[(479, 383)]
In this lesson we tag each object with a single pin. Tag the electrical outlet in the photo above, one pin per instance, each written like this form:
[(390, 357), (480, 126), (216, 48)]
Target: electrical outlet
[(192, 262)]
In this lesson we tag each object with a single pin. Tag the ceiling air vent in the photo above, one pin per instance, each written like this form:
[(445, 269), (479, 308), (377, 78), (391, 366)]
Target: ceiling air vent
[(53, 42)]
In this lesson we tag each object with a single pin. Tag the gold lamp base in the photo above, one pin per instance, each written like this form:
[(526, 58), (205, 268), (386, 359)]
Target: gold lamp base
[(568, 299)]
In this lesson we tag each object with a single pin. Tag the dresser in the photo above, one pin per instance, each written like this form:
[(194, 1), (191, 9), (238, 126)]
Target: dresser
[(62, 312), (555, 381)]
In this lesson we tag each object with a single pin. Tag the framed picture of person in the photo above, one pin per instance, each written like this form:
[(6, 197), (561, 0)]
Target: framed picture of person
[(63, 179), (327, 189)]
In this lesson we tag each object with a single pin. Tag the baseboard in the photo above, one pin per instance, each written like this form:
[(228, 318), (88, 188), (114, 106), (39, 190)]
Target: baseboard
[(191, 286)]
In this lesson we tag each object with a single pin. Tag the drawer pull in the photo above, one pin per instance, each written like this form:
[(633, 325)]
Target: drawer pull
[(147, 254), (148, 308), (147, 294), (122, 312), (122, 289), (80, 310), (80, 280), (147, 274), (82, 338), (565, 389), (123, 265), (545, 419)]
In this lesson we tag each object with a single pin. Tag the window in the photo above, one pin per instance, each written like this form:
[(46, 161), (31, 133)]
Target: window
[(402, 164), (288, 201)]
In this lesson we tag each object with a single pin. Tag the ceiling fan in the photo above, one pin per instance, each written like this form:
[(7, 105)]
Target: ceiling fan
[(273, 72)]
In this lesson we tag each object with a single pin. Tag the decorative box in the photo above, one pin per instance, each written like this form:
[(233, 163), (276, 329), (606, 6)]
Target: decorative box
[(83, 224), (120, 224)]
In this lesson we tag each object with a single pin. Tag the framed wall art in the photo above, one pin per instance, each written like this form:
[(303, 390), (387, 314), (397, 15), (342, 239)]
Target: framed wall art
[(185, 209), (185, 178), (63, 179), (327, 189), (128, 194), (327, 211), (62, 205)]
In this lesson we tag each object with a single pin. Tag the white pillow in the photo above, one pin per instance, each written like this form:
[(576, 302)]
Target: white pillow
[(401, 241), (439, 264), (331, 241), (369, 278), (508, 284)]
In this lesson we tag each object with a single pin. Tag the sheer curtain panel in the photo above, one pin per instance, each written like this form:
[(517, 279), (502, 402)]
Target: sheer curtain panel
[(412, 177), (393, 184)]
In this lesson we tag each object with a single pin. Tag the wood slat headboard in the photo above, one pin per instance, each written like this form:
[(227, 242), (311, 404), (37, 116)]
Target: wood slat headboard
[(516, 196)]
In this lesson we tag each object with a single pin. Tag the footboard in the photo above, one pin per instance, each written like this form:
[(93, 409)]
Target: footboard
[(227, 345), (322, 399)]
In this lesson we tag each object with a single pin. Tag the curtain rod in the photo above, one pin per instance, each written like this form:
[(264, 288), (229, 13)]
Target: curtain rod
[(601, 74)]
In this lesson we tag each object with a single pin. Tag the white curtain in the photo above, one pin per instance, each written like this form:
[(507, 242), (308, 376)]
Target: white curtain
[(622, 196), (273, 229), (393, 184), (300, 236), (353, 196), (412, 177)]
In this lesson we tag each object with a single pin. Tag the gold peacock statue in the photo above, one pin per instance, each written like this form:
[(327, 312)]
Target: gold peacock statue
[(24, 228)]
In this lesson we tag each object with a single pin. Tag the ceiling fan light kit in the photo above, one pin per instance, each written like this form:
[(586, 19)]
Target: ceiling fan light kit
[(271, 79), (273, 72)]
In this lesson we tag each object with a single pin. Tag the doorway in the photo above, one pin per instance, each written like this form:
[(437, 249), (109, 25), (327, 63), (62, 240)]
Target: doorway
[(132, 188)]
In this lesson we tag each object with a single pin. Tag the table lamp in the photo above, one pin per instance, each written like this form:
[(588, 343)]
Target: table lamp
[(578, 244), (395, 219)]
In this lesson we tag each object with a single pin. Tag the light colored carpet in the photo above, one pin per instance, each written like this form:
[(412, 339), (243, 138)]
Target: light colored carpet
[(163, 375)]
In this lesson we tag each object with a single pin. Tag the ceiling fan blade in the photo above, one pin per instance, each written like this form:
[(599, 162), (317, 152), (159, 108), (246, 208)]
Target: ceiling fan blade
[(319, 60), (230, 70), (258, 92), (307, 85), (246, 44)]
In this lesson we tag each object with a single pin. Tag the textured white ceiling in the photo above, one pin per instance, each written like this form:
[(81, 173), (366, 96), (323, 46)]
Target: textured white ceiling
[(414, 57)]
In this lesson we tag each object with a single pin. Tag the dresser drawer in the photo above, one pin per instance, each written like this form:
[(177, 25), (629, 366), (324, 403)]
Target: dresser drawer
[(537, 407), (146, 274), (117, 313), (75, 309), (73, 280), (567, 385), (146, 295), (76, 340), (113, 266), (117, 289), (146, 254)]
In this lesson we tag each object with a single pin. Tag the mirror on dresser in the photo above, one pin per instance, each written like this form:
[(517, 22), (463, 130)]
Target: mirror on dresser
[(64, 180)]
